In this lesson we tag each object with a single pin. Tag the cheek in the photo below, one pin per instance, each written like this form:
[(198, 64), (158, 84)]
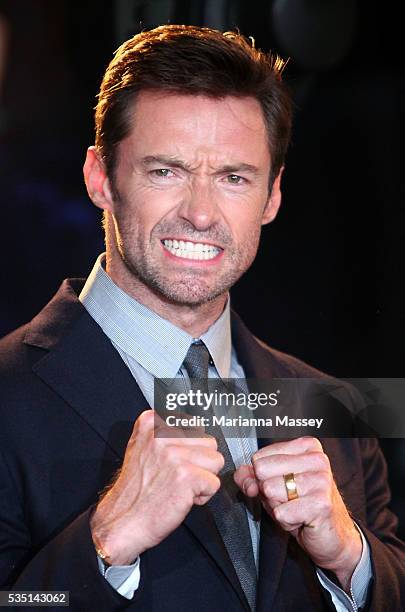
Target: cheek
[(141, 213), (248, 241), (151, 205), (246, 230)]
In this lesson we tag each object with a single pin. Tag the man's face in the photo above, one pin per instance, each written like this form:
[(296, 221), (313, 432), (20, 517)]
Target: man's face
[(192, 184)]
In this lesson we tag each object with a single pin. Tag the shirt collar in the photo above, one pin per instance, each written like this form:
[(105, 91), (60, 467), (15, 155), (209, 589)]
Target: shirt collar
[(158, 345)]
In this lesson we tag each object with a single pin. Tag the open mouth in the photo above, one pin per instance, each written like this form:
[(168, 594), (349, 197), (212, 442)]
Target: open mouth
[(191, 250)]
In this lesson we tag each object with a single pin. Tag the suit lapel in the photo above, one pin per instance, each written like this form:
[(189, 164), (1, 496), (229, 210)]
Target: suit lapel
[(88, 373), (202, 524), (272, 557), (83, 368)]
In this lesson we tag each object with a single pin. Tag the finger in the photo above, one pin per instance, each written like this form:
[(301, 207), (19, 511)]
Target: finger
[(243, 471), (203, 483), (303, 511), (200, 456), (277, 465), (146, 419), (308, 483), (245, 479), (290, 447), (200, 500), (143, 427)]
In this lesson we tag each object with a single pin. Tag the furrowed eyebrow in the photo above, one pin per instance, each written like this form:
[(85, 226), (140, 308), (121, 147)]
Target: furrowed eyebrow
[(236, 168), (175, 162), (165, 160)]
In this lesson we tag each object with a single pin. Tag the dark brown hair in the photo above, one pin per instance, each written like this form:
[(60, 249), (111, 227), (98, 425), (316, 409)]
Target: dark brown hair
[(191, 60)]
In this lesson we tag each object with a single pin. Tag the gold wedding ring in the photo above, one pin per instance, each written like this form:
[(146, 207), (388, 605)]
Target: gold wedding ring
[(291, 486)]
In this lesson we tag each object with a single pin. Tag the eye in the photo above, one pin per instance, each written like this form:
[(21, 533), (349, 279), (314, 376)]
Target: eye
[(162, 172), (235, 179)]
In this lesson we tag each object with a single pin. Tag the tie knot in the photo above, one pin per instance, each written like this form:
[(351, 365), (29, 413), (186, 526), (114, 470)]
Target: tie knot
[(196, 361)]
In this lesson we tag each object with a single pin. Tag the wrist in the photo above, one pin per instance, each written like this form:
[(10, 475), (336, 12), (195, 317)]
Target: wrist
[(109, 550), (111, 542), (343, 567)]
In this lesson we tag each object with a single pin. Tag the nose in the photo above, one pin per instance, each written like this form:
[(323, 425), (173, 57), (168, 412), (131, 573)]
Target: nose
[(199, 206)]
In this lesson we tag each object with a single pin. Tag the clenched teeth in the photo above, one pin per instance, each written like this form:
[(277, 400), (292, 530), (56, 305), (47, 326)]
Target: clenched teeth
[(191, 250)]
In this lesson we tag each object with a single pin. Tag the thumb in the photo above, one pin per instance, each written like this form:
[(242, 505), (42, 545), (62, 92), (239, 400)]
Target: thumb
[(244, 477)]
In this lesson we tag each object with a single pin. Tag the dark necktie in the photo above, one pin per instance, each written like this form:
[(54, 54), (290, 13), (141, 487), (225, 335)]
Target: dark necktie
[(227, 505)]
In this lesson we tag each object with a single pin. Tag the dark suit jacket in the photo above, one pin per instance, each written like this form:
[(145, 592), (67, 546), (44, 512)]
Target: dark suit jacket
[(67, 407)]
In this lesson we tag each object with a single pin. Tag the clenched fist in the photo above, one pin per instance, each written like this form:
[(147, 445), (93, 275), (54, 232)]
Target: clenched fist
[(160, 480), (318, 518)]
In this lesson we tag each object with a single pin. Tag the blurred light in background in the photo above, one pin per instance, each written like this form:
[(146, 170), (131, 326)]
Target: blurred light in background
[(316, 34)]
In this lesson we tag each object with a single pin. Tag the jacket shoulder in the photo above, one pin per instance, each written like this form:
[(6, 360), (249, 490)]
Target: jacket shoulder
[(20, 349), (294, 365), (296, 368), (15, 355)]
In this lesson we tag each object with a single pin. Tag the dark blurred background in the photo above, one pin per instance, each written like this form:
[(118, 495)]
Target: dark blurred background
[(328, 284)]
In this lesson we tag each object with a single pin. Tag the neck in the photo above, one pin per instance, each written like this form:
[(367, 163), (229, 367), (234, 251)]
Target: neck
[(193, 319)]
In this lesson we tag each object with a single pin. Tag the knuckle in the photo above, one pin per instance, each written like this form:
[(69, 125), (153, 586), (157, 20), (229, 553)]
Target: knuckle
[(317, 444), (259, 467), (137, 428), (324, 503), (210, 441), (201, 500), (216, 484), (326, 507), (312, 443), (326, 462), (182, 472), (278, 513), (256, 456), (170, 454), (221, 461), (324, 479), (321, 461), (267, 488), (143, 424), (145, 419), (213, 442)]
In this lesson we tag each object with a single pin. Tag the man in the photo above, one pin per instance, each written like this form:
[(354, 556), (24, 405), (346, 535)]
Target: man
[(191, 132)]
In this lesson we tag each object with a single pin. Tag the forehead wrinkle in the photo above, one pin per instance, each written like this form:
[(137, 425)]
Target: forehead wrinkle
[(176, 162), (208, 125), (252, 120), (219, 142), (167, 160)]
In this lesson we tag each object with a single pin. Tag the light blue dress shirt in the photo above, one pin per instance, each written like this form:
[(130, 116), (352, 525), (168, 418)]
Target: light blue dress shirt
[(153, 347)]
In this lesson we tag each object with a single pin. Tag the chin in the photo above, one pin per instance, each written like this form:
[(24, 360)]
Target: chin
[(189, 296)]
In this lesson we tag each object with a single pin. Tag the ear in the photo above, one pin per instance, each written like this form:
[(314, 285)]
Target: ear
[(97, 182), (274, 201)]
